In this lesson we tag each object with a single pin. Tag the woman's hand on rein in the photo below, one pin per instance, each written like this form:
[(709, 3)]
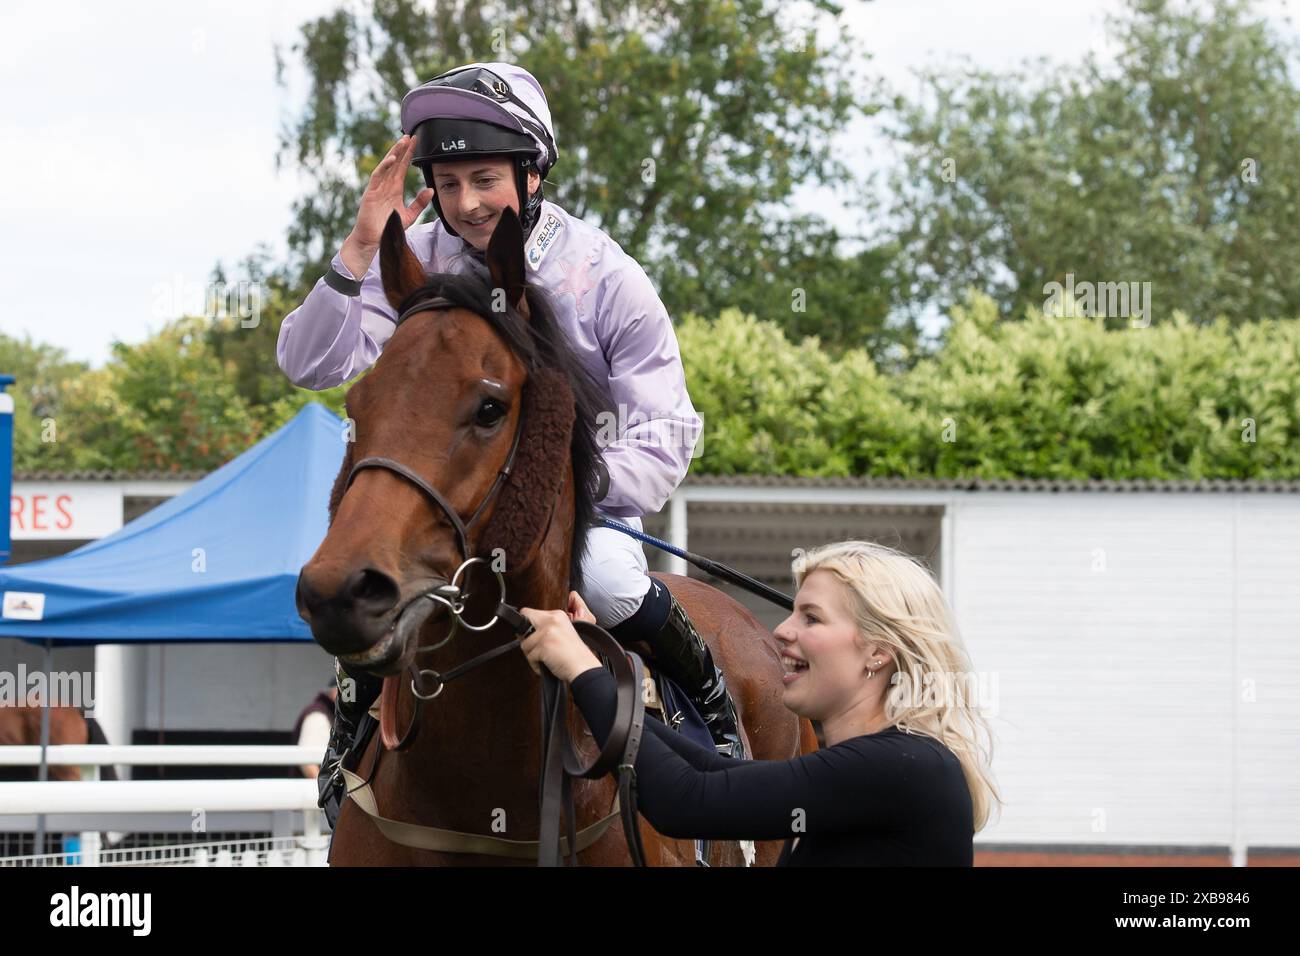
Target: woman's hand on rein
[(555, 644)]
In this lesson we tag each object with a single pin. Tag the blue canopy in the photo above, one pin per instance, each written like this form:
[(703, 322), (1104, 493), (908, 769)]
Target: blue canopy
[(258, 519)]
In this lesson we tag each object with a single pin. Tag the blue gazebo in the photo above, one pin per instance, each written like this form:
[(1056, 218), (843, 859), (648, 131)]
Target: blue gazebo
[(218, 562)]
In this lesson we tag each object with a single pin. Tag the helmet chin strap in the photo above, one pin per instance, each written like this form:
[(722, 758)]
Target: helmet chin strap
[(530, 207)]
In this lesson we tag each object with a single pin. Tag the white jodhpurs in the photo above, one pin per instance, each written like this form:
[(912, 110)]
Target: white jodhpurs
[(615, 572)]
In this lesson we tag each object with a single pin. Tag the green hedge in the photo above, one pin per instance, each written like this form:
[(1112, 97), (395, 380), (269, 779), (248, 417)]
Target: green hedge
[(1044, 397), (1041, 397)]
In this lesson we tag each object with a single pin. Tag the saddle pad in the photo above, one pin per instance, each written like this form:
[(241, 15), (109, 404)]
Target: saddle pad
[(676, 701)]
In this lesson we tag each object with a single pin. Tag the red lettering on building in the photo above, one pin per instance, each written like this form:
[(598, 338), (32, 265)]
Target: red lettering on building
[(65, 519)]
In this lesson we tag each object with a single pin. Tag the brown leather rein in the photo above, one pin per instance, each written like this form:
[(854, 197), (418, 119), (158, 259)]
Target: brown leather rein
[(561, 762)]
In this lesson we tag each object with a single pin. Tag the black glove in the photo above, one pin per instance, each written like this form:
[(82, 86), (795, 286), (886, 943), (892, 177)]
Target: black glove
[(602, 489), (345, 737), (330, 787)]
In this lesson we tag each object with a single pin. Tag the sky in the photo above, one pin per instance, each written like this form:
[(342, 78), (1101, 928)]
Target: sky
[(138, 139)]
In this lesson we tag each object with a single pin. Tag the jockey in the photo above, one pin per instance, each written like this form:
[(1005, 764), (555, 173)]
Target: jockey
[(482, 137)]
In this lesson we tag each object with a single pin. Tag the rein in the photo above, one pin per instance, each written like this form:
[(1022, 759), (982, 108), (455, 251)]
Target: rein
[(561, 762)]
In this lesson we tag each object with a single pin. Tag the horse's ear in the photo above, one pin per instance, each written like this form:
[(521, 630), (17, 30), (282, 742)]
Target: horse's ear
[(401, 270), (505, 259)]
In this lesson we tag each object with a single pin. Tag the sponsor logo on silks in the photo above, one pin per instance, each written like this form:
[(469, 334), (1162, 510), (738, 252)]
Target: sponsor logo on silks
[(544, 237), (23, 606)]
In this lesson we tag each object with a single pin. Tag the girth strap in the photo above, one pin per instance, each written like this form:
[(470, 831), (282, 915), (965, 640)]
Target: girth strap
[(455, 841)]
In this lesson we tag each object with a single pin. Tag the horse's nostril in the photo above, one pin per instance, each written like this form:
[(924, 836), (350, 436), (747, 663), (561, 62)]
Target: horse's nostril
[(302, 597), (372, 591)]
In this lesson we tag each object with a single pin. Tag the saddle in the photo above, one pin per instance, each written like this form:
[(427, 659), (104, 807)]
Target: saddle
[(672, 706)]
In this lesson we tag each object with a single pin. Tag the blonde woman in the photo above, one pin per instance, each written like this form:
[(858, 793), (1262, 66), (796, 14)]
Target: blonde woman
[(871, 652)]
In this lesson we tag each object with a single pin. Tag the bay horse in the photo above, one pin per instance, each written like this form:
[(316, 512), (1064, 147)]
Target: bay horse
[(461, 383), (21, 726)]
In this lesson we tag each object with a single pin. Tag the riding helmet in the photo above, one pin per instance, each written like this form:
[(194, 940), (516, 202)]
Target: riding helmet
[(483, 109)]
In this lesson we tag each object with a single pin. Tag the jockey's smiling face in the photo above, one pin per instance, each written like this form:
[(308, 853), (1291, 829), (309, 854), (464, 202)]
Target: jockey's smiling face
[(828, 674), (473, 192)]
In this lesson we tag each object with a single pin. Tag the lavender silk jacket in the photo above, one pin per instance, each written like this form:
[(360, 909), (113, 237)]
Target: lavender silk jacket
[(606, 306)]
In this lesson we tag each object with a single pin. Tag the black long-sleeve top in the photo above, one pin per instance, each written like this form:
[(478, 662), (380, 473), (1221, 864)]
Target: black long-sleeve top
[(885, 799)]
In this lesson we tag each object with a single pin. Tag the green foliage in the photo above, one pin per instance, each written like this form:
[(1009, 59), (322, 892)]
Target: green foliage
[(166, 404), (1069, 398), (1171, 166), (772, 407), (43, 373), (170, 403), (1044, 398)]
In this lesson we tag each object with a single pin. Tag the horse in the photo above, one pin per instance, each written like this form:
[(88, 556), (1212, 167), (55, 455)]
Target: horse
[(483, 406), (21, 726)]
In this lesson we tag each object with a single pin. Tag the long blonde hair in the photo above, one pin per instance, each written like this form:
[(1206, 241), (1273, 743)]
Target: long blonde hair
[(897, 603)]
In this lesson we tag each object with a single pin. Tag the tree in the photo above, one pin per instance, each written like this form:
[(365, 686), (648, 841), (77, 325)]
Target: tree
[(167, 404), (42, 375), (1172, 166), (683, 127)]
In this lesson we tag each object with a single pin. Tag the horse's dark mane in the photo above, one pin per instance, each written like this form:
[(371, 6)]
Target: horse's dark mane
[(539, 343)]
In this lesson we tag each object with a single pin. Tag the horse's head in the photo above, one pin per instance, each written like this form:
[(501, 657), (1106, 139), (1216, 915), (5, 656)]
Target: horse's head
[(474, 379)]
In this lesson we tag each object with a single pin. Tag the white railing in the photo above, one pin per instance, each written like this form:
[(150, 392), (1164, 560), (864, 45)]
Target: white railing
[(285, 807), (100, 755)]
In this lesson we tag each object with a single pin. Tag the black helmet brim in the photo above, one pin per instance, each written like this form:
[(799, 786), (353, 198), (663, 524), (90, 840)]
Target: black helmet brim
[(452, 140)]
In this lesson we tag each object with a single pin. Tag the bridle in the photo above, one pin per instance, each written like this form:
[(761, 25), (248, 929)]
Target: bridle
[(375, 461), (560, 759)]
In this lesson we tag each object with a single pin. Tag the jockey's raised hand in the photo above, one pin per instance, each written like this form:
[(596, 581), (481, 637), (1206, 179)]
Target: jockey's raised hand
[(384, 193)]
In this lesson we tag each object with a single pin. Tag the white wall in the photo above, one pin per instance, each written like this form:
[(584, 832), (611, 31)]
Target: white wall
[(1121, 629), (1268, 669), (231, 686)]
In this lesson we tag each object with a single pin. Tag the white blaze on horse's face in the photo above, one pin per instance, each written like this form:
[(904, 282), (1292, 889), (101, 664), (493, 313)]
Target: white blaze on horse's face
[(824, 659), (473, 192)]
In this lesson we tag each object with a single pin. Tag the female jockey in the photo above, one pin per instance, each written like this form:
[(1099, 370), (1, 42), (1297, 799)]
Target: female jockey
[(482, 137)]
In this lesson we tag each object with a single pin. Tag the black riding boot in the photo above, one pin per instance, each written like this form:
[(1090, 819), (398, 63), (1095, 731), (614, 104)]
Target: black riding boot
[(356, 693), (683, 656)]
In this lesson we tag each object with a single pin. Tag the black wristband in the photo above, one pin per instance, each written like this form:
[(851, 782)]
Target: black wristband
[(341, 283), (602, 489)]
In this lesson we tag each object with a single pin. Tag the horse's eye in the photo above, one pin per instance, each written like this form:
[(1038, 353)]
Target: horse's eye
[(490, 411)]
